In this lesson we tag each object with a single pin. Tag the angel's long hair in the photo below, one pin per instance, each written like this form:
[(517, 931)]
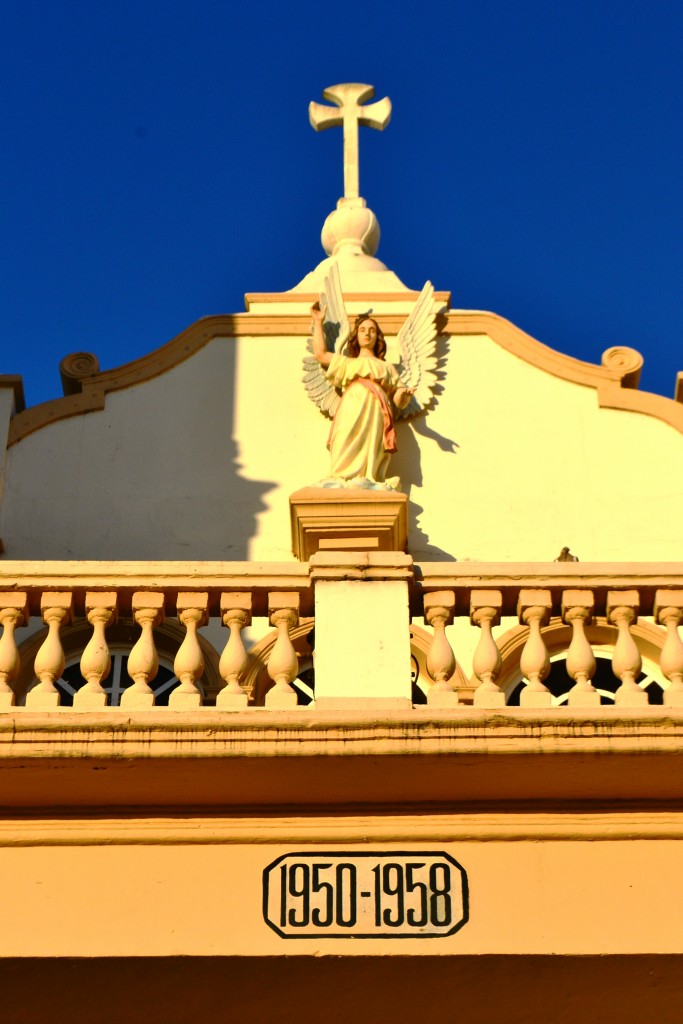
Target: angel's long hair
[(380, 349)]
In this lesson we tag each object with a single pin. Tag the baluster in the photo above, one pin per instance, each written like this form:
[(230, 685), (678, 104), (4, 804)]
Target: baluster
[(485, 610), (193, 612), (56, 609), (577, 610), (438, 613), (236, 615), (283, 664), (143, 660), (533, 608), (100, 609), (668, 611), (13, 613), (622, 611)]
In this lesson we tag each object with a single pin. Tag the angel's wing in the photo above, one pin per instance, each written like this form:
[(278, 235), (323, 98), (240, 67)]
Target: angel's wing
[(417, 345), (336, 329), (336, 324)]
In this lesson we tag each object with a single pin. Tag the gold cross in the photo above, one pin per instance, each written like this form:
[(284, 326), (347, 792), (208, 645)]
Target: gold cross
[(349, 113)]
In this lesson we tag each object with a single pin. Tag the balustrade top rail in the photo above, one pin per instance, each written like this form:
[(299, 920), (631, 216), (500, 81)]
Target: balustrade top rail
[(260, 579)]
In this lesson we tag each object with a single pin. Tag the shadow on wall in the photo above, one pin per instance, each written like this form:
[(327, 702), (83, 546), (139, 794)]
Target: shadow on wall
[(407, 461), (213, 506), (407, 465), (155, 475)]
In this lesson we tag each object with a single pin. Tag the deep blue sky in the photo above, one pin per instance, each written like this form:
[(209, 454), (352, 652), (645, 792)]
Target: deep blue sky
[(156, 162)]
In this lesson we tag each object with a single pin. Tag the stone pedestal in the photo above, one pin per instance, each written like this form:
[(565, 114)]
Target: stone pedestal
[(362, 634), (347, 519)]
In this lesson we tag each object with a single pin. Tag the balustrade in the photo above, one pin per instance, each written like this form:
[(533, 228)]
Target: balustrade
[(56, 609), (668, 612), (283, 664), (189, 661), (143, 662), (533, 609), (622, 610), (577, 610), (13, 613), (485, 608), (560, 610), (100, 611), (438, 611), (236, 615)]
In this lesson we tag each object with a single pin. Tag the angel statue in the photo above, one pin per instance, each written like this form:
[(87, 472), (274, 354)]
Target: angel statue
[(360, 390)]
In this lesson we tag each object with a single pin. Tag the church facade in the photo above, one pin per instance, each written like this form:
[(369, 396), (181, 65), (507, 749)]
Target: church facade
[(269, 732)]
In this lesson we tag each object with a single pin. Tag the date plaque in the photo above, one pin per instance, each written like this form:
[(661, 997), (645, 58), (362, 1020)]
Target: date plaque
[(364, 895)]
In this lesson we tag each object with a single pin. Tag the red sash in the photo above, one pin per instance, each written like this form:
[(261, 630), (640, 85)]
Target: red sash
[(389, 432)]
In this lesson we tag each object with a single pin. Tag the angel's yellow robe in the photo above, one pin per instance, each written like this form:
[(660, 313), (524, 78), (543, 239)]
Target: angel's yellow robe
[(362, 435)]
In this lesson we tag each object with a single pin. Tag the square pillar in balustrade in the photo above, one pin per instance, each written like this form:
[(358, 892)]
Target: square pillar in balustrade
[(347, 519), (362, 631)]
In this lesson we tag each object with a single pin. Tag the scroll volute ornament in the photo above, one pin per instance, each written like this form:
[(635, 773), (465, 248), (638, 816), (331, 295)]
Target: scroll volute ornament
[(533, 608), (56, 608), (283, 664), (622, 611), (668, 612), (236, 615), (439, 607), (485, 610), (13, 613)]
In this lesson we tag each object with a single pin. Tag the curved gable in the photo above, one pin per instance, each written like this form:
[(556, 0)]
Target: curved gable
[(615, 381)]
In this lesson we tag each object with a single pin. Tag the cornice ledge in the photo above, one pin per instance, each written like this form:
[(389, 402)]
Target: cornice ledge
[(96, 386), (304, 732), (90, 399), (514, 340), (668, 410), (615, 381)]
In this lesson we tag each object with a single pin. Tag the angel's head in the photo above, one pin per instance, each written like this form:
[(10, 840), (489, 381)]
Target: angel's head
[(367, 336)]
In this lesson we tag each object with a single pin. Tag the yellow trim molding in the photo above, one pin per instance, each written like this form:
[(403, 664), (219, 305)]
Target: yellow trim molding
[(613, 381)]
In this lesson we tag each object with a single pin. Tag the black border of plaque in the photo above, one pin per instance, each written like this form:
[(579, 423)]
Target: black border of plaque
[(319, 933)]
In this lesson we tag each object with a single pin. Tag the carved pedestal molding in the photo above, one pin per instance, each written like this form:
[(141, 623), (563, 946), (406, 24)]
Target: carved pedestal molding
[(100, 609), (668, 612), (193, 612), (13, 613), (56, 608), (236, 615), (533, 609), (622, 610), (143, 660), (438, 613), (577, 611), (347, 519), (485, 607), (283, 664)]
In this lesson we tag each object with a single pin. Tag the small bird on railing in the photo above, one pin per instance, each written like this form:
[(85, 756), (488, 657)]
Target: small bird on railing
[(566, 556)]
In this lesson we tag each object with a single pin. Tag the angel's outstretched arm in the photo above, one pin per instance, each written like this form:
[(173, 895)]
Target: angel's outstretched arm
[(318, 338)]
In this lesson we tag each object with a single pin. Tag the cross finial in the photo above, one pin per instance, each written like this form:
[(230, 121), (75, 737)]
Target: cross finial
[(349, 113)]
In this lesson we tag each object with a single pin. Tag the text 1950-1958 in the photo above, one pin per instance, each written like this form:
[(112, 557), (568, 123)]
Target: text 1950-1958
[(417, 894)]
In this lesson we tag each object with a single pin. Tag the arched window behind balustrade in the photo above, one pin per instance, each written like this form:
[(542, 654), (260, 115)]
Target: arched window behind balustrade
[(602, 637), (120, 640)]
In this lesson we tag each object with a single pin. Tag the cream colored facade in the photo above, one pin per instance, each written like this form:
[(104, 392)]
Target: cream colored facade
[(140, 840)]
